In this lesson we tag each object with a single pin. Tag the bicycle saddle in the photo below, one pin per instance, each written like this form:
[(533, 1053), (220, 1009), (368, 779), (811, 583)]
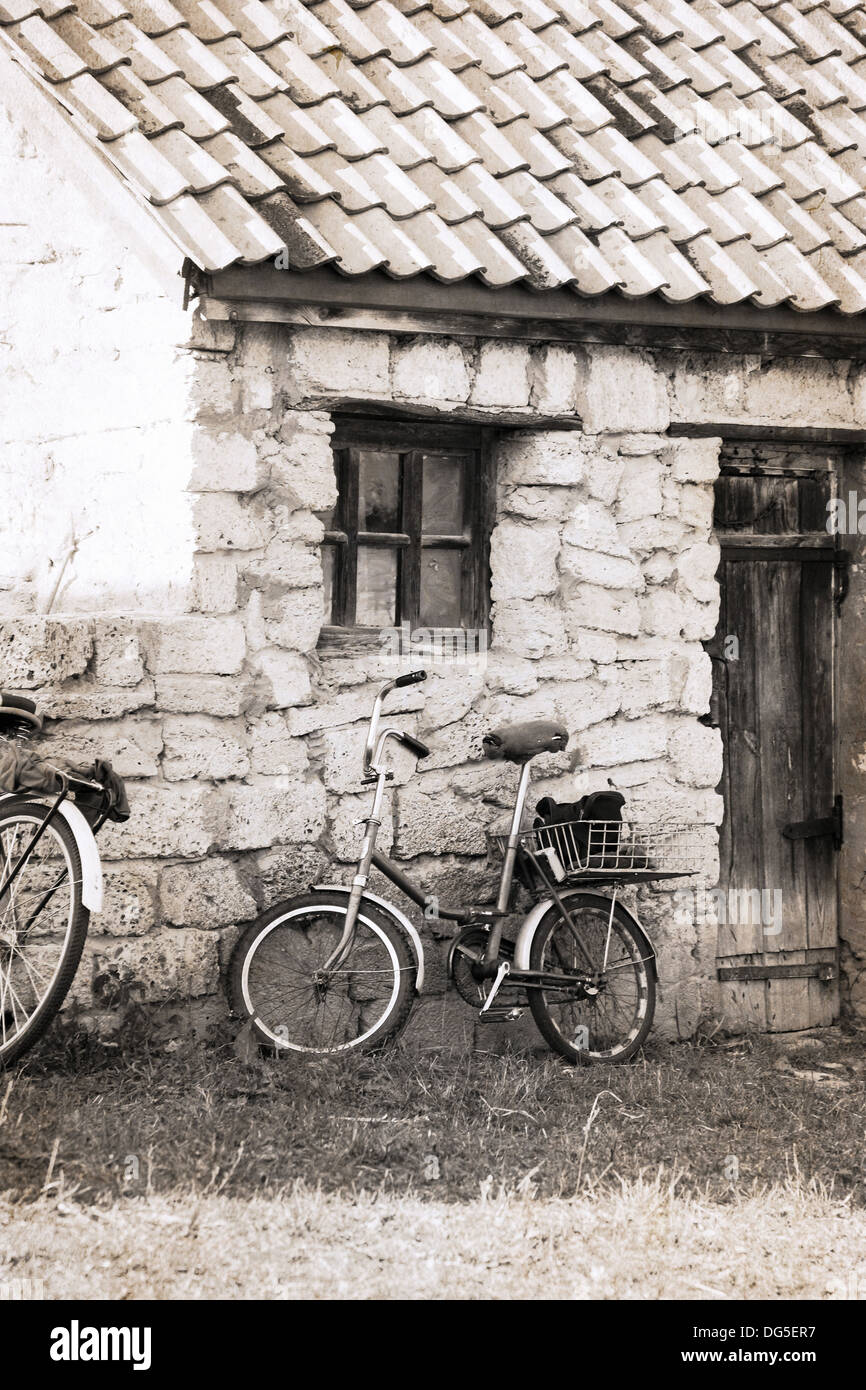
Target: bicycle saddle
[(18, 714), (517, 743)]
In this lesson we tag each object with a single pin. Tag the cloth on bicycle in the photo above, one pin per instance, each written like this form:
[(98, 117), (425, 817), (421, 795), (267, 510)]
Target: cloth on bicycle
[(115, 787), (21, 771), (586, 845)]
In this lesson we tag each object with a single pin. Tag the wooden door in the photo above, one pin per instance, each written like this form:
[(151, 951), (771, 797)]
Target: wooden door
[(773, 657)]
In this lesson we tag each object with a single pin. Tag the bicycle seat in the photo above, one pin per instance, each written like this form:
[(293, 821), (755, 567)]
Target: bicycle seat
[(18, 714), (517, 743)]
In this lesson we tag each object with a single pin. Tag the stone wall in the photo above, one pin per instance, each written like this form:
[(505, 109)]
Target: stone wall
[(242, 743)]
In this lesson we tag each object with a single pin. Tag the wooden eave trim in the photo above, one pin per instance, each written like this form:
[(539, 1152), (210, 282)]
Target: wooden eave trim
[(323, 298)]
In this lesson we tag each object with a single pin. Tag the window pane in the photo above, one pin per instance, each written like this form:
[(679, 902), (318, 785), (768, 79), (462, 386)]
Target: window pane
[(377, 587), (442, 497), (328, 557), (440, 588), (378, 491)]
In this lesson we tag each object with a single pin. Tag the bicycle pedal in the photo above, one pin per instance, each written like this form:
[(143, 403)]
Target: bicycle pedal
[(504, 1014)]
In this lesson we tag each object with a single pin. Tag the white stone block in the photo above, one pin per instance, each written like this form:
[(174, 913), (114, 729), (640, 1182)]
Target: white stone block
[(117, 659), (531, 628), (625, 741), (591, 527), (335, 359), (610, 610), (431, 369), (594, 567), (696, 568), (207, 895), (215, 583), (555, 380), (273, 811), (553, 458), (621, 389), (198, 748), (285, 677), (219, 695), (697, 754), (604, 469), (177, 821), (694, 460), (195, 645), (224, 461), (223, 522), (302, 463), (273, 750), (640, 492), (523, 560), (537, 503), (663, 612), (501, 375)]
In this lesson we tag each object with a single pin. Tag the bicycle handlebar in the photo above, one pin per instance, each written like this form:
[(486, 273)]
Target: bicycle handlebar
[(411, 678), (419, 749), (415, 746)]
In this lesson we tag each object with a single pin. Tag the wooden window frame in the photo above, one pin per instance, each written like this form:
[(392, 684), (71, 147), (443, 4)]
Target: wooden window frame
[(411, 439)]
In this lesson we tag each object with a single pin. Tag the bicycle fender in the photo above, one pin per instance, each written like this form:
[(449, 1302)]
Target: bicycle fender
[(91, 867), (395, 914), (530, 924)]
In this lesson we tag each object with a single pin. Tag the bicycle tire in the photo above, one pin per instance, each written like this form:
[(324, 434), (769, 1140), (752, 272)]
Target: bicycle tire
[(22, 812), (283, 1013), (642, 1005)]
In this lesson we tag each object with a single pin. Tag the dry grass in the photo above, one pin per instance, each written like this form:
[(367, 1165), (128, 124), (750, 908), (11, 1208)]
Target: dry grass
[(703, 1171), (637, 1240)]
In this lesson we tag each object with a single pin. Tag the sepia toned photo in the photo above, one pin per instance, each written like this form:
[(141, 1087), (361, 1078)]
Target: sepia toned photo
[(432, 665)]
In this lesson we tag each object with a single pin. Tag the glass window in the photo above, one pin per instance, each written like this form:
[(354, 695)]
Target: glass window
[(407, 541)]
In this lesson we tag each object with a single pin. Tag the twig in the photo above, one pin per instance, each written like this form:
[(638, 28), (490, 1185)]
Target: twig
[(52, 1160), (73, 550), (586, 1129)]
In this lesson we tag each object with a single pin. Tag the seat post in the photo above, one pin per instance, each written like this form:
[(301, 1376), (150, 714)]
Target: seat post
[(513, 840)]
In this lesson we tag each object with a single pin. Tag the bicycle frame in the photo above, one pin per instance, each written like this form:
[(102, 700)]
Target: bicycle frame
[(492, 918)]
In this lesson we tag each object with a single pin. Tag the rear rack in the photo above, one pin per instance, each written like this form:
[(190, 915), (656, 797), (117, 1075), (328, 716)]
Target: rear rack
[(597, 851)]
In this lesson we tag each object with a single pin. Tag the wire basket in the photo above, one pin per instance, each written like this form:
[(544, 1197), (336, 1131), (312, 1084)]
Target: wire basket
[(602, 849)]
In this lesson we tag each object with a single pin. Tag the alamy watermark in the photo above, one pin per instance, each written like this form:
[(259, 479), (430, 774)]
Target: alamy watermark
[(434, 645), (846, 516), (732, 907)]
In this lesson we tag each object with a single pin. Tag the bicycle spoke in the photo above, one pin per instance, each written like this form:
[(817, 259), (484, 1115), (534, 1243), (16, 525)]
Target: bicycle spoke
[(602, 1017), (40, 923), (300, 1003)]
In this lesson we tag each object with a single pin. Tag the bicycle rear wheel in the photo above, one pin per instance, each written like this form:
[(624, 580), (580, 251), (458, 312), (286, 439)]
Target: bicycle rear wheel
[(43, 923), (276, 978), (606, 1014)]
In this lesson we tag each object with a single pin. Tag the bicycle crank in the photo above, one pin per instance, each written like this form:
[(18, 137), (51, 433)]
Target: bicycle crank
[(464, 969)]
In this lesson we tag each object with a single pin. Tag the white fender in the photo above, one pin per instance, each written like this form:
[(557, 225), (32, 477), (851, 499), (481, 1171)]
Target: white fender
[(529, 926), (91, 867), (391, 911)]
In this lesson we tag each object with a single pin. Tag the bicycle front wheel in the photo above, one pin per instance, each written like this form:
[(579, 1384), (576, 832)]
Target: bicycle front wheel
[(600, 1004), (43, 922), (277, 977)]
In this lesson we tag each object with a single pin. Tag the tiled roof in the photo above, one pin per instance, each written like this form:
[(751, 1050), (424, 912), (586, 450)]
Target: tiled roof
[(709, 148)]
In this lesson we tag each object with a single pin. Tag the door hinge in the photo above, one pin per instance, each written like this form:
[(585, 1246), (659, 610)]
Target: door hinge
[(800, 970), (815, 829)]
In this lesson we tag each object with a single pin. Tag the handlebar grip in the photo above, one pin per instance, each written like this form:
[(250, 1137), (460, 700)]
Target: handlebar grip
[(411, 678), (418, 748)]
